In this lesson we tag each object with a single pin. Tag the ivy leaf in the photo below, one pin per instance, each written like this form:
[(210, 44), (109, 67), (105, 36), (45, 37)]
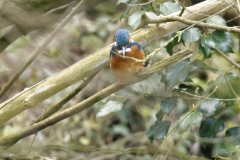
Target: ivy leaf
[(177, 72), (210, 127), (168, 8), (230, 148), (109, 107), (151, 15), (221, 40), (209, 106), (193, 118), (217, 20), (191, 35), (149, 85), (173, 43), (228, 86), (201, 65), (135, 19), (234, 131), (204, 48), (127, 10), (121, 1), (168, 104), (158, 130), (170, 45)]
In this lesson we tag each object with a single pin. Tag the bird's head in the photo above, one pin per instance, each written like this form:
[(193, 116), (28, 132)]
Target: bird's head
[(122, 37)]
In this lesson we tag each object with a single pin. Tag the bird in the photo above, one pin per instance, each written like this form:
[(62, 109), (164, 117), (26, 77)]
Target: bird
[(127, 57)]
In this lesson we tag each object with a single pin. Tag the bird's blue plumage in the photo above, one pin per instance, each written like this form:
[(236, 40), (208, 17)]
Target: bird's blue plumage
[(122, 37), (117, 48), (134, 43)]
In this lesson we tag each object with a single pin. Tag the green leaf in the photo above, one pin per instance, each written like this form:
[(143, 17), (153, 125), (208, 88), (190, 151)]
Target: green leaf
[(121, 1), (177, 72), (168, 8), (227, 86), (221, 40), (210, 127), (203, 47), (191, 35), (151, 15), (168, 104), (234, 131), (127, 10), (170, 45), (209, 106), (193, 118), (230, 148), (201, 65), (149, 85), (217, 20), (121, 129), (109, 107), (135, 19), (173, 43), (158, 130)]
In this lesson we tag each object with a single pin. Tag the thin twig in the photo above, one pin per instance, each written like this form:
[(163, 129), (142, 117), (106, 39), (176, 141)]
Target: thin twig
[(40, 48), (183, 8), (215, 99), (69, 146), (227, 58), (163, 19), (140, 4)]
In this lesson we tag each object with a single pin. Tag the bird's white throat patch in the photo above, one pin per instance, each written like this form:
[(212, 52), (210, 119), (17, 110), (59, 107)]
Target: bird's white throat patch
[(124, 50)]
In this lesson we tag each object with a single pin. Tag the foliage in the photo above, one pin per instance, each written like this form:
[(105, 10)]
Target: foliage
[(191, 102), (223, 87)]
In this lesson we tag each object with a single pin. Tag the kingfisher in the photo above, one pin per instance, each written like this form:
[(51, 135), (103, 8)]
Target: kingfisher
[(126, 56)]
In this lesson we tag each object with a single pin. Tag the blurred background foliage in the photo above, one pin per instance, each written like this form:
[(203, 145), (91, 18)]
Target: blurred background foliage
[(126, 124)]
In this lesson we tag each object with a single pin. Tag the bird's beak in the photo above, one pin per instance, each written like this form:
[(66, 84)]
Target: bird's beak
[(124, 51)]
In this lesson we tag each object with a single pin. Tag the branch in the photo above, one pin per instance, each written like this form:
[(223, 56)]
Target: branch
[(227, 58), (56, 106), (95, 62), (163, 19), (11, 139)]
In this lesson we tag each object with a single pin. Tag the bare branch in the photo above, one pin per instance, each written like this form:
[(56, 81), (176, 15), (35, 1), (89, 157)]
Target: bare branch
[(56, 106), (227, 58), (163, 19), (11, 139)]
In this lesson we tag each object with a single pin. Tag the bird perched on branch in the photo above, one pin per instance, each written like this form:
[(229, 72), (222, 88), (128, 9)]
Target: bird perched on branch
[(126, 56)]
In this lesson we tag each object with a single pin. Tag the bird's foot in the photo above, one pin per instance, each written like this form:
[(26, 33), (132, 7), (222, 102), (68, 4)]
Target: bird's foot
[(120, 82)]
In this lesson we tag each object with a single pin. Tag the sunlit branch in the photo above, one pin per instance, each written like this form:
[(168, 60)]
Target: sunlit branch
[(56, 106), (13, 138), (163, 19), (140, 4)]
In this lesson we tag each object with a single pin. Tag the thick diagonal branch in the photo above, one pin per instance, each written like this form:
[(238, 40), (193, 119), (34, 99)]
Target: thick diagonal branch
[(11, 139), (56, 106)]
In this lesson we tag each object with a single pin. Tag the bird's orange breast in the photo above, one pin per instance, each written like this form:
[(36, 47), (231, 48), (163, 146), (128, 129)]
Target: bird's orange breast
[(123, 68)]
